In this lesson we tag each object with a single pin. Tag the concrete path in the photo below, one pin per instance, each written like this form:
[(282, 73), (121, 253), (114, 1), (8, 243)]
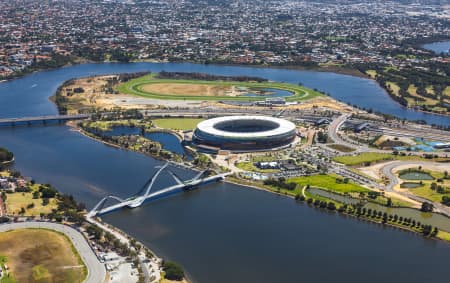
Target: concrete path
[(96, 270)]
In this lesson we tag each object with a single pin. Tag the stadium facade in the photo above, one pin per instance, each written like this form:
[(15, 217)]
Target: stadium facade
[(244, 133)]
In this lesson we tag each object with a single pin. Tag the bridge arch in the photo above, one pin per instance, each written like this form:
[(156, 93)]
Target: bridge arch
[(102, 202)]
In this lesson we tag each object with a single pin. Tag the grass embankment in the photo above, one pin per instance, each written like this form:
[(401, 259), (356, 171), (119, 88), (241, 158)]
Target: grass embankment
[(336, 185), (38, 255), (182, 124), (32, 206), (443, 236), (202, 90), (329, 182), (341, 148), (373, 157), (372, 73), (429, 194), (393, 87), (318, 201)]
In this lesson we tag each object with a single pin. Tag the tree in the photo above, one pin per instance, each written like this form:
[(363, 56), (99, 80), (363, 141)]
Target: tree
[(48, 192), (35, 195), (389, 202), (173, 271), (385, 218), (45, 201), (434, 232), (95, 231), (5, 155), (426, 230), (331, 206), (427, 207)]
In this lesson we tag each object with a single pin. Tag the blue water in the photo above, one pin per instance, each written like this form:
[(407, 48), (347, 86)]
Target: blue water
[(28, 96), (438, 47), (169, 141), (221, 233)]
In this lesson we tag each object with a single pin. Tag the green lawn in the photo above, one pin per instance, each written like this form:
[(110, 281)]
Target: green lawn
[(428, 193), (328, 182), (372, 73), (134, 87), (340, 147), (248, 166), (373, 157), (425, 190), (178, 123), (443, 236), (363, 158), (15, 201)]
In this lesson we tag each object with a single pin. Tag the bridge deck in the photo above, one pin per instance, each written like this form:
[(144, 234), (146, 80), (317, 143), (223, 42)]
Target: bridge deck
[(132, 203), (44, 118)]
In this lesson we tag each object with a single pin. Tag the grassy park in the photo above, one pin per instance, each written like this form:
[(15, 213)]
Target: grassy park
[(32, 206), (366, 157), (432, 190), (249, 166), (182, 124), (329, 182), (181, 89), (38, 255)]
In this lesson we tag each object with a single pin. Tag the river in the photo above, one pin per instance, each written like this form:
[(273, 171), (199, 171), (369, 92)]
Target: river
[(438, 47), (30, 93), (220, 233)]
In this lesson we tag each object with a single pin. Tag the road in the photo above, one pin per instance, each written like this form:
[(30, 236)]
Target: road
[(334, 126), (394, 181), (96, 270), (333, 129)]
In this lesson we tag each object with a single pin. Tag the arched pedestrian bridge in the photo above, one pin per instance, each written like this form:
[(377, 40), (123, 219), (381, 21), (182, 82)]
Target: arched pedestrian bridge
[(145, 193)]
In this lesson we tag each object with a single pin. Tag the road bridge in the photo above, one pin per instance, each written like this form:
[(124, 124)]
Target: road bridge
[(41, 119), (137, 200)]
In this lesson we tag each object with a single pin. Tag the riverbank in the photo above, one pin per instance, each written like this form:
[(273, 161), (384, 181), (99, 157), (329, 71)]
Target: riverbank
[(160, 154), (175, 227), (355, 212)]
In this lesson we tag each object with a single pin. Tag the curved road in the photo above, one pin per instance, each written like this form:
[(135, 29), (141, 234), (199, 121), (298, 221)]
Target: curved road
[(394, 181), (96, 270), (333, 129)]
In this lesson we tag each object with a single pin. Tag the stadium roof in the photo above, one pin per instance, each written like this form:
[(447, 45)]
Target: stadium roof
[(284, 127)]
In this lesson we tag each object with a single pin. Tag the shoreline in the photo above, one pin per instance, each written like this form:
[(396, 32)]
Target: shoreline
[(346, 214), (8, 161), (353, 72)]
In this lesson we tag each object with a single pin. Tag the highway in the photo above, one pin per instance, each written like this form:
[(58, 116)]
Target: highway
[(96, 270), (387, 170)]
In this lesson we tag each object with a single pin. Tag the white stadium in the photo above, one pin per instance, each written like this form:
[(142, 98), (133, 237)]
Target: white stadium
[(244, 133)]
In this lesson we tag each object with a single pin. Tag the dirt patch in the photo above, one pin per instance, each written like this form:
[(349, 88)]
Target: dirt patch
[(36, 255)]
